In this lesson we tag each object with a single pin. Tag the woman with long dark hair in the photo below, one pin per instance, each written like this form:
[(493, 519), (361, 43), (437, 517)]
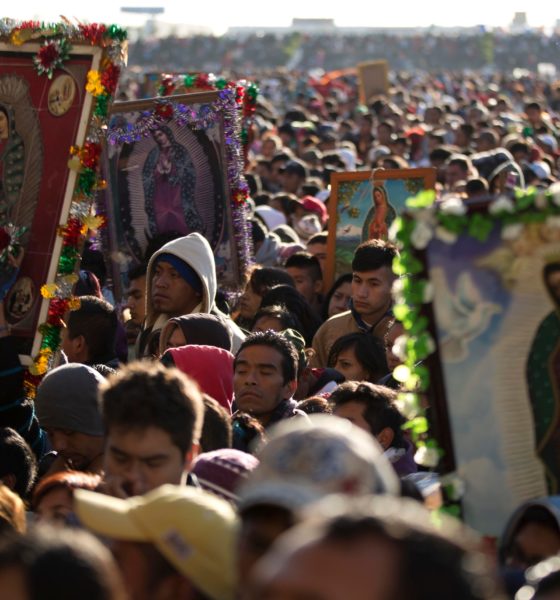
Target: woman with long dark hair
[(338, 297)]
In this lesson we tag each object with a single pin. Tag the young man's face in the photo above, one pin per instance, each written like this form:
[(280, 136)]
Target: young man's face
[(320, 252), (371, 292), (533, 115), (171, 294), (258, 381), (142, 459), (305, 284), (77, 449), (136, 300), (290, 182), (453, 174)]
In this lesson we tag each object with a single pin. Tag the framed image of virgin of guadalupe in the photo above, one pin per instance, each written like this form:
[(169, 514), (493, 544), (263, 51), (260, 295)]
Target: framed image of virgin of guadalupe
[(488, 336), (174, 168), (362, 206), (46, 109)]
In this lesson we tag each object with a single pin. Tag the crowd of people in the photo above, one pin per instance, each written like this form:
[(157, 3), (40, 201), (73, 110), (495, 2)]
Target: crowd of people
[(201, 444), (337, 50)]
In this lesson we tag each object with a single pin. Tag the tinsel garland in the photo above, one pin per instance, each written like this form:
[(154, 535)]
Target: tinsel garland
[(201, 118), (18, 32), (84, 161), (246, 94), (10, 243)]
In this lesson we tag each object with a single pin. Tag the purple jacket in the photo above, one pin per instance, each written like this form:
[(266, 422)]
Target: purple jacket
[(402, 459)]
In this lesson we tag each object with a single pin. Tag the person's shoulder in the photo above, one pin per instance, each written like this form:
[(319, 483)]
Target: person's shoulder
[(335, 322)]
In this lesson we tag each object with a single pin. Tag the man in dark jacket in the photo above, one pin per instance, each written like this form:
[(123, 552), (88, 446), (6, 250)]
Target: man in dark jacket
[(265, 377)]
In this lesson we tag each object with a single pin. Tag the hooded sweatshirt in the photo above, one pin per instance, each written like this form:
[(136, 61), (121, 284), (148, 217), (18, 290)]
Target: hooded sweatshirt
[(551, 504), (199, 329), (196, 252), (210, 367)]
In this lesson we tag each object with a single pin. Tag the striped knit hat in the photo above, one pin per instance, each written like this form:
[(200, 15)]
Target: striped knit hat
[(222, 471)]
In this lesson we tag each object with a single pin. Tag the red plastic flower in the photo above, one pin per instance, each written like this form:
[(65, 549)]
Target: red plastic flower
[(71, 232), (239, 93), (89, 154), (48, 55), (240, 196), (57, 308), (110, 78), (30, 25), (93, 32), (164, 111), (167, 85), (201, 81)]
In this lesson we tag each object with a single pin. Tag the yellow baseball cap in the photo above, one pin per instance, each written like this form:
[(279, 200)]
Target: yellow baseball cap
[(193, 529)]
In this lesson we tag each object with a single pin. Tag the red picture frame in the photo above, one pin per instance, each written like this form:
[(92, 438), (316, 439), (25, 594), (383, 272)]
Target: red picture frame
[(57, 125)]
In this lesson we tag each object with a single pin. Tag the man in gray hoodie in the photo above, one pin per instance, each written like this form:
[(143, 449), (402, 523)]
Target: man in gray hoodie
[(181, 280)]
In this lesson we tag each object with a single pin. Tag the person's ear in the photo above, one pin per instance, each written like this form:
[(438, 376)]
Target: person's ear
[(78, 345), (318, 286), (290, 389), (385, 437), (191, 455)]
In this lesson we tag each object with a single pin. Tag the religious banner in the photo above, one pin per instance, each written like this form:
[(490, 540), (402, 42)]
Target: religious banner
[(373, 78), (175, 167), (56, 84), (481, 308), (363, 204)]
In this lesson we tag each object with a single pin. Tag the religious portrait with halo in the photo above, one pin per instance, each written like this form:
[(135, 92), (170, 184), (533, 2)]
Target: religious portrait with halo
[(171, 179), (42, 115)]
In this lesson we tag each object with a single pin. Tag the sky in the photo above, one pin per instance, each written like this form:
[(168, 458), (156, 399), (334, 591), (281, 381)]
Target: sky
[(220, 14)]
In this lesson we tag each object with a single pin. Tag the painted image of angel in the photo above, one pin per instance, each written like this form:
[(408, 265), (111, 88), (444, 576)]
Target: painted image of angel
[(169, 179), (543, 380), (21, 153), (511, 259), (380, 215), (463, 315), (61, 95), (20, 299)]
